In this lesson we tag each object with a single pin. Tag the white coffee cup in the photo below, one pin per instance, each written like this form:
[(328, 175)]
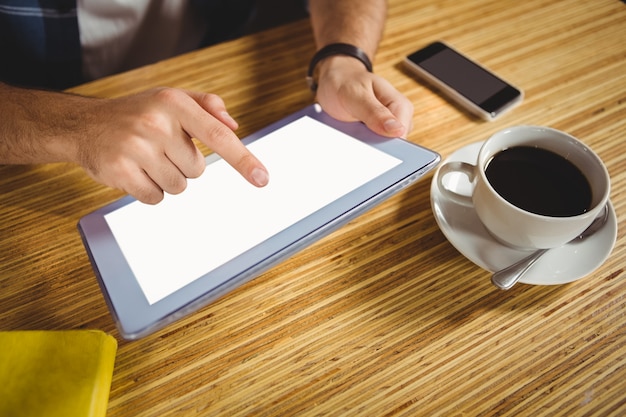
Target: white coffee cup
[(518, 227)]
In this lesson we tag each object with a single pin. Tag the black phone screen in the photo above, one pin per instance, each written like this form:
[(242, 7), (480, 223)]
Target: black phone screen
[(467, 78)]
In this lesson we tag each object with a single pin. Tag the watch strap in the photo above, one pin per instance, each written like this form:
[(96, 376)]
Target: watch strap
[(336, 49)]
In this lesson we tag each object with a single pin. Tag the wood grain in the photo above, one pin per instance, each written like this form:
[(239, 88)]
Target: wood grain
[(383, 317)]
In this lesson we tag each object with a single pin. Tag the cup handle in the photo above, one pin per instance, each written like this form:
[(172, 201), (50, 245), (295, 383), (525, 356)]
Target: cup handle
[(456, 166)]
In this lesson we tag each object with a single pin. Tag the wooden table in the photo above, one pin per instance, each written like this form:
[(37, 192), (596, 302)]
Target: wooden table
[(385, 316)]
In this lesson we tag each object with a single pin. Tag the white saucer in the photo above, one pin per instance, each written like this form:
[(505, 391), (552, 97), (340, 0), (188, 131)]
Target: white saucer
[(464, 230)]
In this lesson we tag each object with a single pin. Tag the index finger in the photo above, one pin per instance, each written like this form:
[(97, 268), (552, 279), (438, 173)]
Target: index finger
[(204, 118)]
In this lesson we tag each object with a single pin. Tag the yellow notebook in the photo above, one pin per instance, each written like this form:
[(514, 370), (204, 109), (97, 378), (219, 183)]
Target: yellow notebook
[(55, 373)]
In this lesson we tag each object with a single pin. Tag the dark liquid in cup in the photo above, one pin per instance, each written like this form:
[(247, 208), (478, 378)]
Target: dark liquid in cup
[(539, 181)]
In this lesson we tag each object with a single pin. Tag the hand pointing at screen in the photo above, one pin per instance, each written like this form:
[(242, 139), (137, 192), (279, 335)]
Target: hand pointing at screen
[(141, 144)]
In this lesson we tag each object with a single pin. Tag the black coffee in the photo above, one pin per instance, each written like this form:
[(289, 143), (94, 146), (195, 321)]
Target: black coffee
[(539, 181)]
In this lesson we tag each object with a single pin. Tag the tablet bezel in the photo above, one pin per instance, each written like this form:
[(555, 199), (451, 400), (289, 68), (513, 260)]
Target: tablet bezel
[(136, 318)]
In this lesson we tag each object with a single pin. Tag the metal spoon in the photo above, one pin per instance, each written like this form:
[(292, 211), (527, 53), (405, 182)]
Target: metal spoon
[(507, 277)]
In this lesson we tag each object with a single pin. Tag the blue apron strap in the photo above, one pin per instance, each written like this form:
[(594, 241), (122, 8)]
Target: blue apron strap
[(40, 43)]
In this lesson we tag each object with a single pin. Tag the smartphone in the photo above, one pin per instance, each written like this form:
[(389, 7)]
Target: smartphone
[(470, 85)]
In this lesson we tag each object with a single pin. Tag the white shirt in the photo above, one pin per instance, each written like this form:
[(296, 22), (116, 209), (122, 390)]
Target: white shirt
[(117, 35)]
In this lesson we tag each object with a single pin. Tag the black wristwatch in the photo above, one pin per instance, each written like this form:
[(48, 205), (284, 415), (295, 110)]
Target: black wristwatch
[(336, 49)]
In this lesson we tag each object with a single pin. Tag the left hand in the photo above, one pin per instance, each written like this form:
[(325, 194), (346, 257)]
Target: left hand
[(348, 92)]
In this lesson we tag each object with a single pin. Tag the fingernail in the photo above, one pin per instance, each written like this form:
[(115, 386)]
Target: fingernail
[(393, 126), (260, 177), (229, 118)]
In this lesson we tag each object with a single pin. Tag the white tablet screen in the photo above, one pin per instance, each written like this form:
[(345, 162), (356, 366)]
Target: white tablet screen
[(220, 215)]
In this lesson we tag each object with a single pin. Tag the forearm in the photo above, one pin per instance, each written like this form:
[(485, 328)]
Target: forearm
[(345, 88), (357, 22), (39, 126), (141, 143)]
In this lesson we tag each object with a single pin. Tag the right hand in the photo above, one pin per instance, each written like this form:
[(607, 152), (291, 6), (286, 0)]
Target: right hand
[(142, 144)]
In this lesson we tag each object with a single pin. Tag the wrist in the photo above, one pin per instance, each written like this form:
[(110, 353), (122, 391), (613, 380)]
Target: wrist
[(336, 53), (69, 124), (336, 70)]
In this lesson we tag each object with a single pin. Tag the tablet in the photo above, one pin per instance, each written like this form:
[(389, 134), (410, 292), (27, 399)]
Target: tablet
[(158, 263)]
